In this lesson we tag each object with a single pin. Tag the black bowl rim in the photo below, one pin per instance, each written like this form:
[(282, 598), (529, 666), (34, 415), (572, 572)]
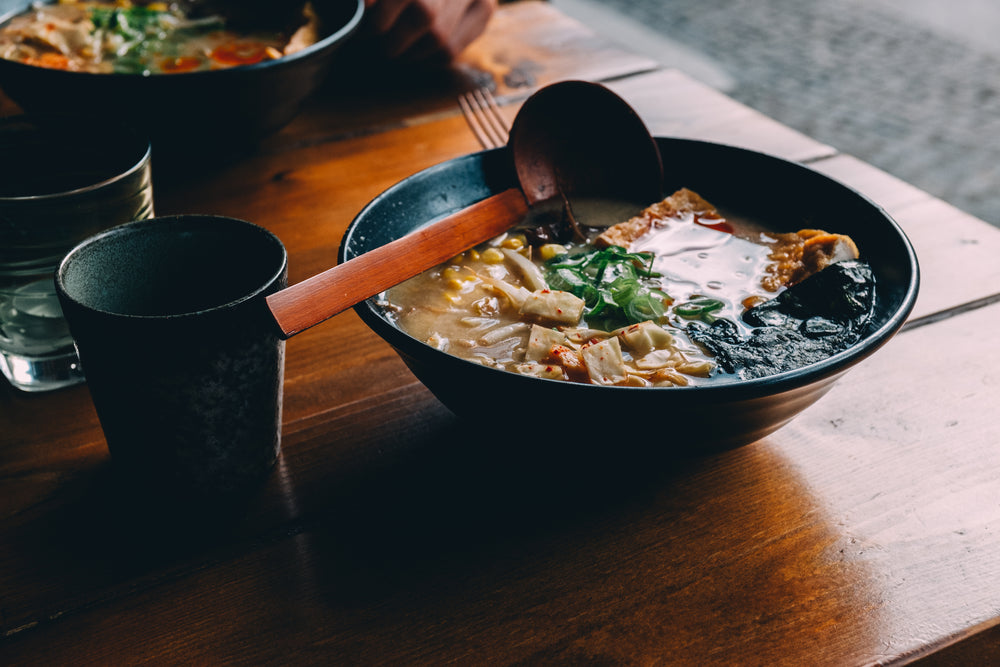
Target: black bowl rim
[(835, 365), (328, 42), (182, 221), (142, 163)]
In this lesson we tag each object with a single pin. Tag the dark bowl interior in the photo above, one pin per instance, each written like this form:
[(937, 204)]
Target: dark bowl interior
[(195, 111), (786, 195)]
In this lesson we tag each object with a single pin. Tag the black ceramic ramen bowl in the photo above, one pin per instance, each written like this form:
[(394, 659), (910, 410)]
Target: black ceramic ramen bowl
[(785, 195), (193, 112)]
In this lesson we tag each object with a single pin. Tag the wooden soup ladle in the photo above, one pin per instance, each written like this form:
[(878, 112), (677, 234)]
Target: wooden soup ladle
[(571, 138)]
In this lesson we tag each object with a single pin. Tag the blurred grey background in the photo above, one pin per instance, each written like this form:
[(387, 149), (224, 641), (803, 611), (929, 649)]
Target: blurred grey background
[(910, 86)]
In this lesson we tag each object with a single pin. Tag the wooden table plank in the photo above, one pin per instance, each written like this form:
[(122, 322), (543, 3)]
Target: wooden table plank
[(883, 188), (979, 645), (957, 254), (93, 543), (673, 104), (805, 548), (862, 532), (288, 193), (911, 477)]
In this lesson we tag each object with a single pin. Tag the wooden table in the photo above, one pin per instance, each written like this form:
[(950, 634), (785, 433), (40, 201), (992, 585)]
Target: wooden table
[(867, 531)]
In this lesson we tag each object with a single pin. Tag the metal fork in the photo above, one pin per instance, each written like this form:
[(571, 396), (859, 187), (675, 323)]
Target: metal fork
[(482, 113)]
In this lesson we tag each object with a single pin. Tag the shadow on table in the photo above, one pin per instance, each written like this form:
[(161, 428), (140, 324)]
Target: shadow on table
[(605, 534), (465, 500), (415, 529)]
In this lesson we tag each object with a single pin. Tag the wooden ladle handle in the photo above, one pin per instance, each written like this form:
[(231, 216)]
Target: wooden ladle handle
[(316, 299)]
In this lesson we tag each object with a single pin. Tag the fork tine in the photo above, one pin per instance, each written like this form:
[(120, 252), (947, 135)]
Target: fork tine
[(491, 111), (483, 116), (472, 118), (481, 121)]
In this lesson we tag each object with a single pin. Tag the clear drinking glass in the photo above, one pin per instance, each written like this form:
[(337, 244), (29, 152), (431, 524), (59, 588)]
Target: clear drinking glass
[(62, 179)]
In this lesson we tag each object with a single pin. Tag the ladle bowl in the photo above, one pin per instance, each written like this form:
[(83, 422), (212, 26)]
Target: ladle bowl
[(577, 138)]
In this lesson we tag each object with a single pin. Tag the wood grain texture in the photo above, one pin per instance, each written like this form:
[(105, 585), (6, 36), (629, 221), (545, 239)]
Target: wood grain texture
[(978, 645), (857, 534), (863, 532)]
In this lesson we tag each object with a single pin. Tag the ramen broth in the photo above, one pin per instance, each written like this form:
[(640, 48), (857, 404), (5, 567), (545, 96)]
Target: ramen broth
[(151, 38), (691, 265)]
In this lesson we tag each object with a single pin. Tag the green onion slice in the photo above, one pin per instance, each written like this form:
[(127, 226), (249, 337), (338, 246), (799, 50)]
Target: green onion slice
[(617, 286), (701, 308)]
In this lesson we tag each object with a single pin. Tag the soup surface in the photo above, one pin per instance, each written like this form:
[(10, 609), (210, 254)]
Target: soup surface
[(657, 300), (153, 38)]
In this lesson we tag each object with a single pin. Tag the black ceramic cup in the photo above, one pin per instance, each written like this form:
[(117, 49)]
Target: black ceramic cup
[(182, 359)]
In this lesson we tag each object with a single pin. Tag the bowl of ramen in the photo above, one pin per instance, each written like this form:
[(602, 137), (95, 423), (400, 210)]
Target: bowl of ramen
[(703, 321), (192, 74)]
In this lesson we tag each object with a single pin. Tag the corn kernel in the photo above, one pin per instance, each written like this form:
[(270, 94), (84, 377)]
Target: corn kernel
[(473, 254), (452, 297), (451, 273), (550, 250), (492, 256), (513, 242), (456, 283)]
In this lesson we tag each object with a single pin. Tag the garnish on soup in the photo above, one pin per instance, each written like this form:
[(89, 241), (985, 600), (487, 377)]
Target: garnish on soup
[(143, 38), (676, 295)]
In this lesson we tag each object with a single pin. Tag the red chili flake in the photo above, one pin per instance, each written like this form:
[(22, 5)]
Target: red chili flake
[(714, 222)]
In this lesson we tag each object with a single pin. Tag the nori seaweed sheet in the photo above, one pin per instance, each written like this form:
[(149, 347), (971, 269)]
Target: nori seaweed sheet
[(809, 322)]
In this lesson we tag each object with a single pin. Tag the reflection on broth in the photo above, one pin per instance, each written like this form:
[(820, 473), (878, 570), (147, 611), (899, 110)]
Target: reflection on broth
[(659, 299), (697, 260)]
